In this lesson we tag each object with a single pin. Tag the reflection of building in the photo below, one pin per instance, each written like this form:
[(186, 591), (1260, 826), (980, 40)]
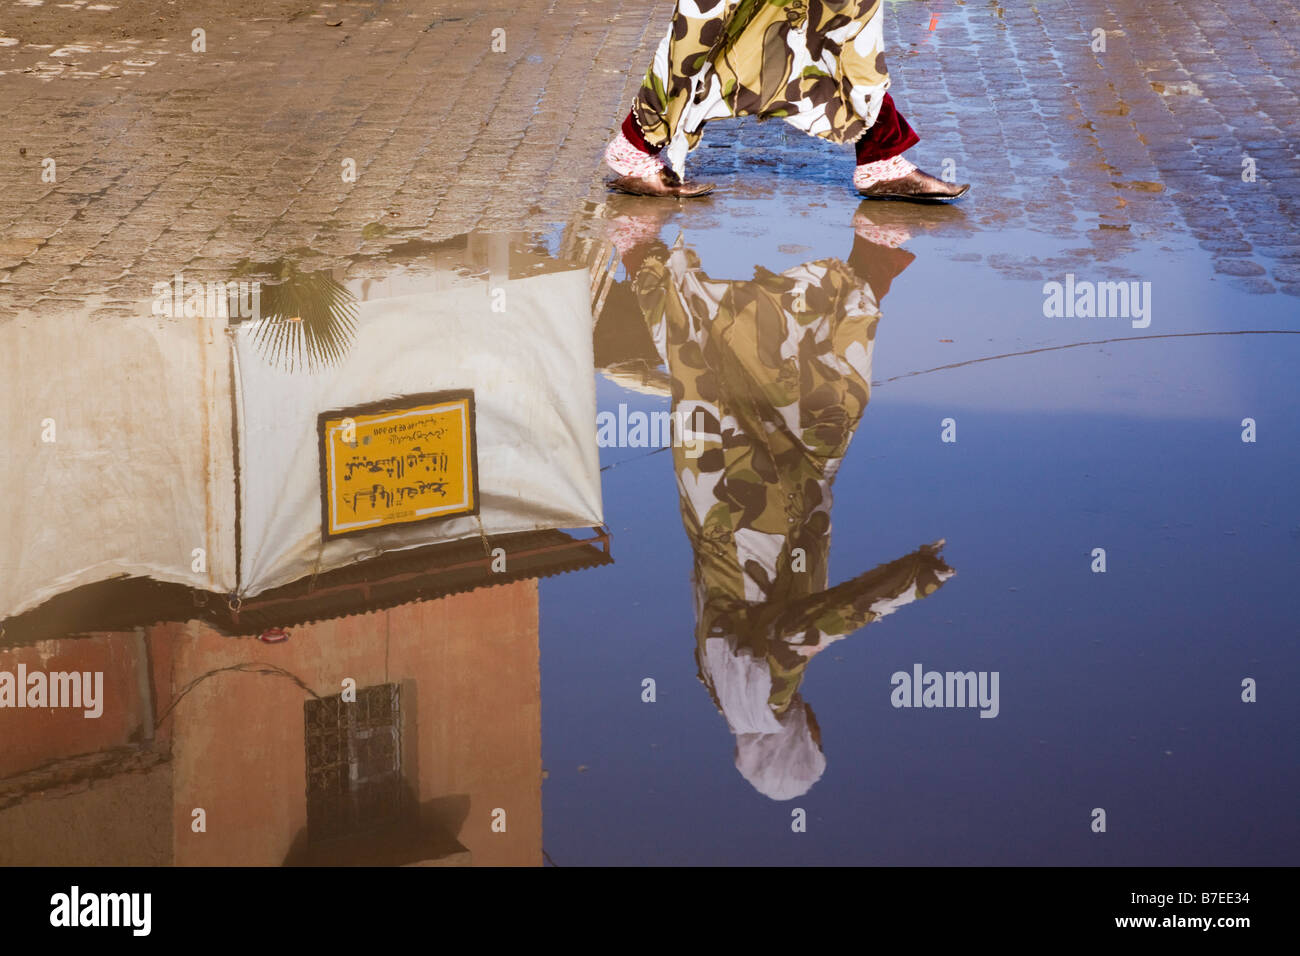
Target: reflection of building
[(116, 791), (177, 516), (179, 450)]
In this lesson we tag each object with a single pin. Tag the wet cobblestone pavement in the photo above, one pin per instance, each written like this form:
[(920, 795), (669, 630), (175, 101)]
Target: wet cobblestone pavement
[(196, 160), (170, 159)]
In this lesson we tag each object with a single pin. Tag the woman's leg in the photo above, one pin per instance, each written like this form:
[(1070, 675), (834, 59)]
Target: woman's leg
[(628, 154), (640, 168), (883, 173), (890, 136), (665, 110), (824, 73)]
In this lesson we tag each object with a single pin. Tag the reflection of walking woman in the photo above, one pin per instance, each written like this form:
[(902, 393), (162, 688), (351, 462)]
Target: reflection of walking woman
[(772, 376), (817, 64)]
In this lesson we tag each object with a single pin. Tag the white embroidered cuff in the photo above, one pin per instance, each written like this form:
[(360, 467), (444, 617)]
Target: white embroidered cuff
[(626, 160), (868, 174)]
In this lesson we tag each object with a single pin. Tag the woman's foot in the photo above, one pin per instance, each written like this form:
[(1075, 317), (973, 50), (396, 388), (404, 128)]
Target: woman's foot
[(645, 174), (633, 223), (896, 178), (890, 235), (663, 183)]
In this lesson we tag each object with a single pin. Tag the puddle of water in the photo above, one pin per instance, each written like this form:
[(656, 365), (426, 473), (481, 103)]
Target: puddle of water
[(1067, 435), (887, 455)]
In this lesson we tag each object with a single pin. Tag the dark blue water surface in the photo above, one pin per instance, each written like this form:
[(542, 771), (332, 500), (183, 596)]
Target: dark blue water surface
[(1119, 690)]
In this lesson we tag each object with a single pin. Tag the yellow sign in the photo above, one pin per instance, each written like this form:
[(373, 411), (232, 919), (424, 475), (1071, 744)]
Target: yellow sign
[(411, 459)]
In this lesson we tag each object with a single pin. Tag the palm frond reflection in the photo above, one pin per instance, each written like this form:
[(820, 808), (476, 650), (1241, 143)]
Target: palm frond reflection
[(308, 319)]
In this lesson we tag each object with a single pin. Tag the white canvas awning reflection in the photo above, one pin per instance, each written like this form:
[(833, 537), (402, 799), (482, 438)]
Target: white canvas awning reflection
[(184, 452)]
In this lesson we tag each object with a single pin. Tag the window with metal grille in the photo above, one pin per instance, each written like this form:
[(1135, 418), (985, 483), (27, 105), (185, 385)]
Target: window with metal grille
[(354, 762)]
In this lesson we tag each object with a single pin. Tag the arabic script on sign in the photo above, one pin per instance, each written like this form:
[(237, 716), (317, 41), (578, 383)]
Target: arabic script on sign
[(398, 465)]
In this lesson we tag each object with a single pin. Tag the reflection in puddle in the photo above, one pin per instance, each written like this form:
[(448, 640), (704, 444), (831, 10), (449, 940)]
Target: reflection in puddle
[(272, 694), (174, 501), (772, 376), (307, 320)]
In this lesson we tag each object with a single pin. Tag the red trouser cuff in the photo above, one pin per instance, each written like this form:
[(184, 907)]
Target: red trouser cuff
[(632, 133), (890, 136)]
